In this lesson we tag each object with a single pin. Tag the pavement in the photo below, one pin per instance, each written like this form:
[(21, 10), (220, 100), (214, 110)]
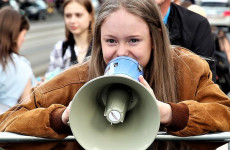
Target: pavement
[(40, 40)]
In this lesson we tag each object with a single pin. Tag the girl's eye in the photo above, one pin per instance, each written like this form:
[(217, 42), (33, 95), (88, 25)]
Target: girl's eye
[(67, 15), (110, 41), (134, 40), (78, 14)]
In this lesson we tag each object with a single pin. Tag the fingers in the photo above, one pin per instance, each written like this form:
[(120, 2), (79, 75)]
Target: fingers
[(65, 115), (70, 104), (143, 81), (164, 108)]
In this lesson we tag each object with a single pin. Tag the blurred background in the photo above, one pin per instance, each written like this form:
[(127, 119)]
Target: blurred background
[(47, 26)]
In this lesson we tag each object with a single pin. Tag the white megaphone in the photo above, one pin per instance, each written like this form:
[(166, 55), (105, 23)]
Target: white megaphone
[(115, 111)]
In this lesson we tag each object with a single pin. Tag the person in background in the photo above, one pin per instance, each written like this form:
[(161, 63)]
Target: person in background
[(223, 43), (101, 1), (222, 56), (193, 7), (178, 2), (180, 80), (16, 76), (79, 24), (190, 30), (4, 3), (192, 1)]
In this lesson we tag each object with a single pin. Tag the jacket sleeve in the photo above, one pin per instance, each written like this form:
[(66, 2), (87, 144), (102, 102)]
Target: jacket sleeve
[(209, 111), (29, 119), (41, 115)]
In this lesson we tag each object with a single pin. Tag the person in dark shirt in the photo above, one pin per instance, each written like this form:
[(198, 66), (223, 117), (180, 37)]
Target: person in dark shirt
[(190, 30), (4, 3)]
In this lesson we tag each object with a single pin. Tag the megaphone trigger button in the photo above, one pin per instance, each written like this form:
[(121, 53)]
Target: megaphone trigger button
[(140, 69), (115, 64)]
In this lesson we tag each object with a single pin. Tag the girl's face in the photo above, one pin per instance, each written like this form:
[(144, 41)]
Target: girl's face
[(77, 18), (21, 38), (124, 34)]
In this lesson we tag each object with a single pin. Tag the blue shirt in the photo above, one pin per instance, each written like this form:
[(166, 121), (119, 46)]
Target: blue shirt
[(13, 80), (165, 19)]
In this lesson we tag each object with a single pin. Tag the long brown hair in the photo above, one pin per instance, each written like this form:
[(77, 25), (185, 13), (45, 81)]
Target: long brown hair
[(89, 7), (159, 71), (11, 24)]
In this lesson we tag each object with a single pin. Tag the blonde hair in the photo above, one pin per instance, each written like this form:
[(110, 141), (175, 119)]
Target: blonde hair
[(159, 71)]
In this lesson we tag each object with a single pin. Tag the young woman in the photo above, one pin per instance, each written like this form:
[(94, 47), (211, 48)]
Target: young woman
[(222, 55), (223, 43), (188, 100), (79, 23), (16, 76)]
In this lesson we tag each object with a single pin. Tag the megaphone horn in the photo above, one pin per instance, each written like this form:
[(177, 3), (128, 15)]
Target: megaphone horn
[(115, 111)]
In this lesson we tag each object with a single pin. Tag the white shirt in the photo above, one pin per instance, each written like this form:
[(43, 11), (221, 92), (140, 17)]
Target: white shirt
[(13, 80)]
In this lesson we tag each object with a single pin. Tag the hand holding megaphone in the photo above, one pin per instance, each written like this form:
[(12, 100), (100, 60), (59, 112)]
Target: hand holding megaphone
[(115, 111), (164, 108), (65, 114)]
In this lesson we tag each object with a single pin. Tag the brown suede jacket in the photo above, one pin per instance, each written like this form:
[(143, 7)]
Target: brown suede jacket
[(202, 107)]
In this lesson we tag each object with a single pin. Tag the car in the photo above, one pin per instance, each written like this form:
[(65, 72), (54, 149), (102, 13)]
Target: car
[(35, 9), (218, 12)]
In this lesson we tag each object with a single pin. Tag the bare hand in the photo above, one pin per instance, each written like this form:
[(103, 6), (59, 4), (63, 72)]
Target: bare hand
[(164, 108), (65, 115)]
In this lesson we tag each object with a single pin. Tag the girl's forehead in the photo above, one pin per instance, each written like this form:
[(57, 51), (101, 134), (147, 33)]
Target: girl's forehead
[(121, 15), (74, 6), (123, 23)]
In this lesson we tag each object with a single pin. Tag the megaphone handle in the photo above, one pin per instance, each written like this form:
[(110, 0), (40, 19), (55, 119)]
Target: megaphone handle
[(117, 104)]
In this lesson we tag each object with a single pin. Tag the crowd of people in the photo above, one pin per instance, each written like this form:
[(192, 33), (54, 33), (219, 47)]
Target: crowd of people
[(175, 46)]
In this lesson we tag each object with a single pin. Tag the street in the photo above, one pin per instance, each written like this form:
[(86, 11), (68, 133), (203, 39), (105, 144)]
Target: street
[(40, 40)]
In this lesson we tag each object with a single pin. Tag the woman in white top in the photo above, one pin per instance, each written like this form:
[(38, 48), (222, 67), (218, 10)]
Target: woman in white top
[(16, 76), (79, 23)]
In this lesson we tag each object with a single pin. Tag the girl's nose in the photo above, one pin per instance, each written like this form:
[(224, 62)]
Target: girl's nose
[(122, 50), (73, 19)]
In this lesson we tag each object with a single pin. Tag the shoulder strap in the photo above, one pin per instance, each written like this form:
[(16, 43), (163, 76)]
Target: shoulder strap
[(64, 47), (73, 55), (89, 49)]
